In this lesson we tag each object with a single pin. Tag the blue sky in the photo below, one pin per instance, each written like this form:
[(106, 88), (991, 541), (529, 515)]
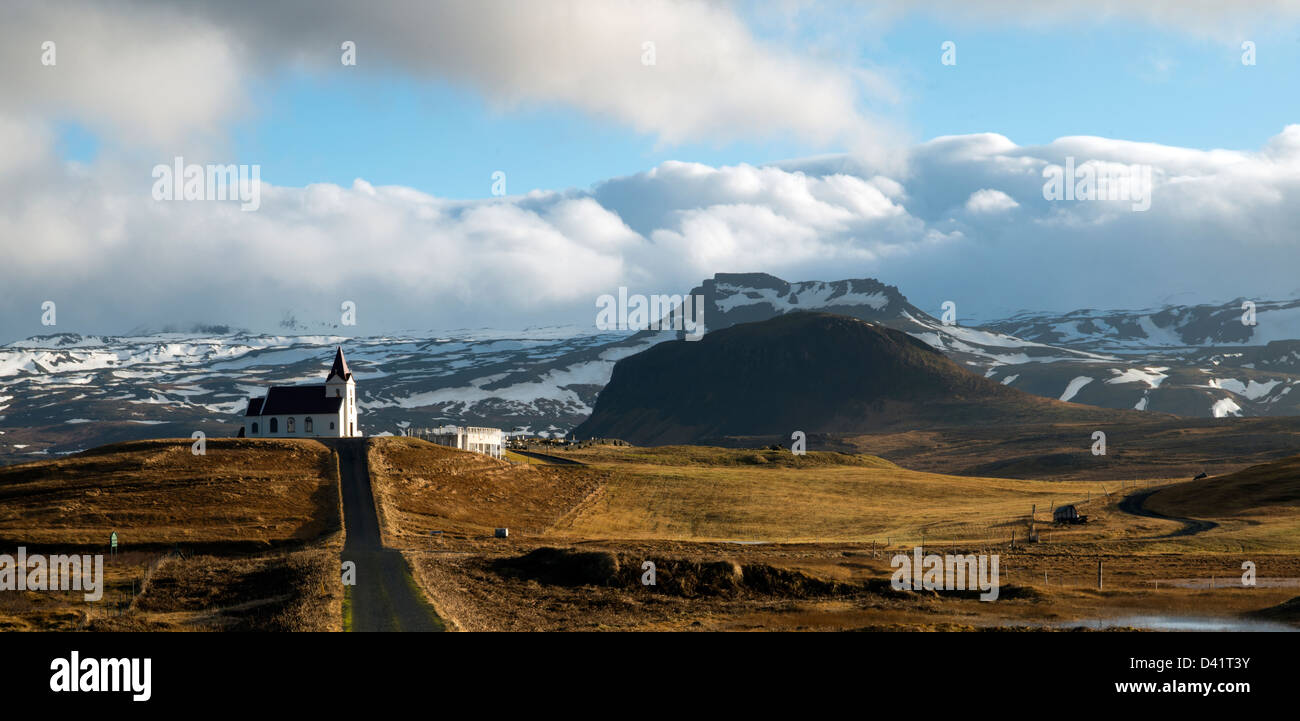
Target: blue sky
[(555, 95), (1114, 80)]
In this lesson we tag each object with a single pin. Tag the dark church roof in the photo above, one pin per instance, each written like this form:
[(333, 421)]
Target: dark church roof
[(301, 400), (340, 367), (298, 400)]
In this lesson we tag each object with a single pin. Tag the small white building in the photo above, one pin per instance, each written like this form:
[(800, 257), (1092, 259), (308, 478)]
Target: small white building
[(323, 411), (479, 440)]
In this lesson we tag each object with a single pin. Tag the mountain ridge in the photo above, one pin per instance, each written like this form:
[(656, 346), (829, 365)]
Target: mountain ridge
[(814, 372), (63, 392)]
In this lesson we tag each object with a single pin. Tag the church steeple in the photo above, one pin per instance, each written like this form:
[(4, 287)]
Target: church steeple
[(340, 367), (340, 384)]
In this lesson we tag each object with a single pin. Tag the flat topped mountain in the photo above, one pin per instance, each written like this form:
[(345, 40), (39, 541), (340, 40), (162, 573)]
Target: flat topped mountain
[(811, 372)]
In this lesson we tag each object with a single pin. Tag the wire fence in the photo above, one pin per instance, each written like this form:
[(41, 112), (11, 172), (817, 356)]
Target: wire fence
[(123, 601), (1037, 524)]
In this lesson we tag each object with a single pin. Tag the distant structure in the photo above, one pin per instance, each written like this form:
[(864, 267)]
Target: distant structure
[(1068, 514), (479, 440), (323, 411)]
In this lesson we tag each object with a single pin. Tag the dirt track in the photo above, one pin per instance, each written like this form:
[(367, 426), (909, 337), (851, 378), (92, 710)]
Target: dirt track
[(385, 597), (1191, 526), (557, 460)]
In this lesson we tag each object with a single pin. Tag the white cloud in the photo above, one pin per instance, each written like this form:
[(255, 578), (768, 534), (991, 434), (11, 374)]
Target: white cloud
[(159, 72), (119, 259), (1223, 21), (155, 76), (172, 77), (1220, 225), (988, 200)]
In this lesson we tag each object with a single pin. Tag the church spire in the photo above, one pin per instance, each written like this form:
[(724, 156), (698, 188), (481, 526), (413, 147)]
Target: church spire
[(340, 367)]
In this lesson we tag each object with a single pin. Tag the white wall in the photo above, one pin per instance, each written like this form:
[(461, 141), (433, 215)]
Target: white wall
[(478, 440), (348, 392), (320, 426)]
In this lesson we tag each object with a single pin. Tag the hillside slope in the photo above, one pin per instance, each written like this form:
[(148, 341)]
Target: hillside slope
[(241, 493), (1268, 488), (812, 372)]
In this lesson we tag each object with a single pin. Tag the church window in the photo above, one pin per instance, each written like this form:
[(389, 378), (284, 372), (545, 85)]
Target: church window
[(254, 427), (306, 425), (275, 425), (289, 429)]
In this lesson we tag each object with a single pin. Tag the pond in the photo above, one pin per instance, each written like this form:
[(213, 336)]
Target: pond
[(1179, 623)]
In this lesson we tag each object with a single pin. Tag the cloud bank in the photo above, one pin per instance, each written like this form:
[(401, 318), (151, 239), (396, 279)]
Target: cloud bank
[(169, 73), (966, 222), (958, 218)]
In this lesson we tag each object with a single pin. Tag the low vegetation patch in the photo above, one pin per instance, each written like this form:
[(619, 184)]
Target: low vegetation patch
[(158, 494), (297, 591), (1286, 612), (735, 457), (673, 576), (422, 487)]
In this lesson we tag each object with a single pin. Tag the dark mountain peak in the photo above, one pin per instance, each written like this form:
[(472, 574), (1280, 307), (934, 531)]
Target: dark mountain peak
[(733, 298), (809, 371)]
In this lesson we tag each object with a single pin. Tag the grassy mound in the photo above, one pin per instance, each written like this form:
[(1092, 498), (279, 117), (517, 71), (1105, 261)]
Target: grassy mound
[(421, 487), (1269, 488), (723, 457), (684, 577), (158, 493), (1286, 612)]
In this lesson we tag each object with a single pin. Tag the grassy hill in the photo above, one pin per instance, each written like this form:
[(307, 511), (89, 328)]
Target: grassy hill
[(705, 494), (421, 487), (249, 493), (256, 523), (1261, 503), (726, 457), (1266, 488), (712, 494)]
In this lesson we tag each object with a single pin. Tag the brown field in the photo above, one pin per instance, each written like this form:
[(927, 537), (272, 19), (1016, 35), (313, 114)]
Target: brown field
[(157, 494), (421, 487), (740, 539), (1259, 505), (245, 537), (1148, 447), (820, 524), (705, 494)]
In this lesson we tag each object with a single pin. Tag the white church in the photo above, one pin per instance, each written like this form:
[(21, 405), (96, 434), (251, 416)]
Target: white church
[(328, 411)]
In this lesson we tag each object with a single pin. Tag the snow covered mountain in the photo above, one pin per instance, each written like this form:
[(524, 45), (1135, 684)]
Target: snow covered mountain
[(1185, 326), (61, 393), (732, 298), (1199, 361), (66, 392)]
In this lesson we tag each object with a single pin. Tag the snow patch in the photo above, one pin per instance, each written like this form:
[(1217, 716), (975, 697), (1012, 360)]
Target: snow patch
[(1225, 407), (1151, 376), (1074, 387)]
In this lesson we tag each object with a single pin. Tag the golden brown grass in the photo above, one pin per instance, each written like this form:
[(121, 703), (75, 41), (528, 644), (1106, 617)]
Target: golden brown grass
[(517, 458), (241, 495), (421, 487), (859, 501), (819, 519), (1256, 507), (279, 591), (720, 457), (158, 493)]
